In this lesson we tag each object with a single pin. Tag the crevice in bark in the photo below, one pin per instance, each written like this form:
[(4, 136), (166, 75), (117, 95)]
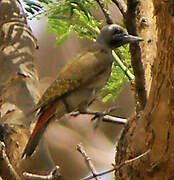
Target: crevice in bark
[(167, 144)]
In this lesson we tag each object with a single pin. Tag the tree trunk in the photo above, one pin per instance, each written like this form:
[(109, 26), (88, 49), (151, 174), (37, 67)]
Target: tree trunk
[(18, 87), (152, 127)]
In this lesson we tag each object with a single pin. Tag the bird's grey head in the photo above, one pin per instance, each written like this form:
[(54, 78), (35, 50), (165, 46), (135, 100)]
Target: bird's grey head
[(113, 36)]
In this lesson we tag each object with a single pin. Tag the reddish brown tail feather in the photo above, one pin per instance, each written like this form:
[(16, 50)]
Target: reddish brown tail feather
[(39, 129)]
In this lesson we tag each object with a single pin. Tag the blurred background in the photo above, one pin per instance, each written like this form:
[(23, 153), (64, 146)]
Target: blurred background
[(63, 135)]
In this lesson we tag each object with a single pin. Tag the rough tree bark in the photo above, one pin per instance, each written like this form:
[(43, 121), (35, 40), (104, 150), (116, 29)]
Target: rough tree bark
[(18, 87), (152, 127)]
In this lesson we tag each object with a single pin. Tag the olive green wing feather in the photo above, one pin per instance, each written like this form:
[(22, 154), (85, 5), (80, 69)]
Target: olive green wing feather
[(58, 88)]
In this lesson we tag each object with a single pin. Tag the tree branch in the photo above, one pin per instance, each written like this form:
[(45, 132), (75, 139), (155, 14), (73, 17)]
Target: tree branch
[(121, 6), (119, 166), (113, 119), (53, 175), (105, 12), (103, 116), (87, 160), (19, 85)]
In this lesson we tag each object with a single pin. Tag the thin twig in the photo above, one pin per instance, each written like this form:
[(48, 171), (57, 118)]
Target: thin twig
[(87, 160), (126, 71), (104, 118), (121, 6), (105, 12), (113, 119), (6, 167), (119, 166), (53, 175)]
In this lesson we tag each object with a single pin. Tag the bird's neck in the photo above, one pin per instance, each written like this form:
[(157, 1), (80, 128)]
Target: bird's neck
[(102, 46)]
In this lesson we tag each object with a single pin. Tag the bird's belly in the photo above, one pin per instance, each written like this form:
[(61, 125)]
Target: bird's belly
[(79, 99), (100, 80)]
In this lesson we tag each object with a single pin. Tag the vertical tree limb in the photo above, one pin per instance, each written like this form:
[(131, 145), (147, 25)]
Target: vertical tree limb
[(18, 80), (105, 12), (153, 128), (121, 6), (140, 21)]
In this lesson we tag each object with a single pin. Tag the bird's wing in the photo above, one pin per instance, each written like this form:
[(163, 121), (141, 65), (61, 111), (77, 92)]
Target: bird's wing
[(78, 72), (57, 89)]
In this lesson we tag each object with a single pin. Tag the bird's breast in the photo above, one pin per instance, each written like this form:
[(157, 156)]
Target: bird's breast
[(100, 78)]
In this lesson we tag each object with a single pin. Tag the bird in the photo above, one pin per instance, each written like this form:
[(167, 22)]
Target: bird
[(78, 81)]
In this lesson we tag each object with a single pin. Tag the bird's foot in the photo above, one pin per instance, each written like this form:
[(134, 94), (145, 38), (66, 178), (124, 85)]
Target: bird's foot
[(75, 114), (98, 116)]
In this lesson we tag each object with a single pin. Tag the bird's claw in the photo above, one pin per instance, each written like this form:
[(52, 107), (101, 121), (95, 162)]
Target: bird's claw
[(97, 116), (100, 115), (75, 114), (98, 121)]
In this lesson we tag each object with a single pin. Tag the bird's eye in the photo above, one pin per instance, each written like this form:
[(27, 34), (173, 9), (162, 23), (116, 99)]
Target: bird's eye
[(117, 30)]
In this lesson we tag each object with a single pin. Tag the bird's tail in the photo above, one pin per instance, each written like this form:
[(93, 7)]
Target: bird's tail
[(38, 130)]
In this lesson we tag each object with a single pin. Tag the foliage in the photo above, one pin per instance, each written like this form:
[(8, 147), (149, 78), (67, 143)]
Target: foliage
[(118, 77), (73, 16), (66, 16), (32, 7)]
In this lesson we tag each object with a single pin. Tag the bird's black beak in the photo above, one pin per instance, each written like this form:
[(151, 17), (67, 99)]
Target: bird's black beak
[(120, 40), (131, 39)]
